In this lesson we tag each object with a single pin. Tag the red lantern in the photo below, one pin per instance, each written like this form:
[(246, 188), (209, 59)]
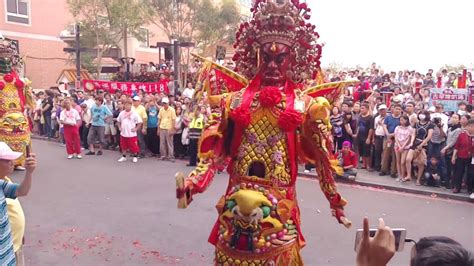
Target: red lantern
[(2, 85)]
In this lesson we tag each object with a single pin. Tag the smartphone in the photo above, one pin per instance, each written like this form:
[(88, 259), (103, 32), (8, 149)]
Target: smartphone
[(399, 233), (28, 150)]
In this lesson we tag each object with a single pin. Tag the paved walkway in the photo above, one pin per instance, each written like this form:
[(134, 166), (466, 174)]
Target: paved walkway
[(368, 179), (96, 211), (372, 179)]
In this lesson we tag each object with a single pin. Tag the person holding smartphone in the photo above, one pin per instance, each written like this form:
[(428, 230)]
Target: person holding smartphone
[(378, 249), (12, 217)]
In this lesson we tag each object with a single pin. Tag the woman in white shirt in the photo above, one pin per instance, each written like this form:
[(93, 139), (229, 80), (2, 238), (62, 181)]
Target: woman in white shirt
[(71, 121)]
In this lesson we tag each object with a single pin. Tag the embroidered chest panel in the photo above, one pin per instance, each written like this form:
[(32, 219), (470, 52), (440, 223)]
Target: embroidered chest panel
[(263, 150)]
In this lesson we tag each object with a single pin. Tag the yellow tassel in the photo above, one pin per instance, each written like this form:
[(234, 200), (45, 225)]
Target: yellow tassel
[(335, 165)]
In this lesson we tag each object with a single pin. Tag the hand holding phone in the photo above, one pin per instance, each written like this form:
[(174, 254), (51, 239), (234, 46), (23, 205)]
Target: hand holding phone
[(28, 151), (377, 250)]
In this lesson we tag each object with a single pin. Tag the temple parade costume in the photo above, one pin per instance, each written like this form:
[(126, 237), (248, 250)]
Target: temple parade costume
[(15, 95), (261, 129)]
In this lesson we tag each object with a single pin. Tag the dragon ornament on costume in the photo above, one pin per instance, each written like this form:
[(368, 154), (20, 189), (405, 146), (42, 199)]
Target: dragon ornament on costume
[(264, 123), (15, 95)]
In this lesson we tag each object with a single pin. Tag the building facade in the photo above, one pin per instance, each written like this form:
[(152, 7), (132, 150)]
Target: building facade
[(42, 28), (39, 28)]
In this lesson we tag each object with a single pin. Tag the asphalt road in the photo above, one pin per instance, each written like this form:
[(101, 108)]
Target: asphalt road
[(96, 211)]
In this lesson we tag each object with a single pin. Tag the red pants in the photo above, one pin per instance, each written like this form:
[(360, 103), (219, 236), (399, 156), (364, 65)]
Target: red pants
[(129, 144), (73, 141)]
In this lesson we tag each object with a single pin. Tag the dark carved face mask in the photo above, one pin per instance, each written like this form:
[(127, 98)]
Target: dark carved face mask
[(276, 62)]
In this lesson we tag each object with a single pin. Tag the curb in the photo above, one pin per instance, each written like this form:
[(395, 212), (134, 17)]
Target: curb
[(441, 195), (41, 138)]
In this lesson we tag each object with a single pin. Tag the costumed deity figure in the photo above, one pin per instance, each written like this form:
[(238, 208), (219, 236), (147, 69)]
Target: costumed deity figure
[(261, 132), (15, 95)]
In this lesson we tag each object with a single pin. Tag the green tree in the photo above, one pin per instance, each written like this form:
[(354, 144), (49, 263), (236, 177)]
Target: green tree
[(201, 21), (217, 24), (105, 23), (176, 18)]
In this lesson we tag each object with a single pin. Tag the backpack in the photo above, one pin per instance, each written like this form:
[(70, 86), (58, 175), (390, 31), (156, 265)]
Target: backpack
[(337, 131)]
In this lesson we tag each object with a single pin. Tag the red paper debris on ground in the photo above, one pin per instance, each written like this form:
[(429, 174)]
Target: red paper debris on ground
[(75, 244)]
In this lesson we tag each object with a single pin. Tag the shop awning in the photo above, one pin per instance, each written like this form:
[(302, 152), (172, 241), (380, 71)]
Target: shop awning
[(69, 76)]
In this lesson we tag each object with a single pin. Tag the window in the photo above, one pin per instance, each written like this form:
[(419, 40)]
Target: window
[(144, 38), (18, 11)]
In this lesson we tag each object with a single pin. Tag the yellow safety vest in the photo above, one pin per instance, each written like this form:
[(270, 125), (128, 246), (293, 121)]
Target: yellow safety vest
[(197, 123)]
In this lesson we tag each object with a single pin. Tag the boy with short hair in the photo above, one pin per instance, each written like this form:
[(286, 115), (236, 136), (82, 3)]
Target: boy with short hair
[(434, 171), (129, 124)]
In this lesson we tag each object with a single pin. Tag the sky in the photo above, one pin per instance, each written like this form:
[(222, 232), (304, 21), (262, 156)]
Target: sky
[(397, 35)]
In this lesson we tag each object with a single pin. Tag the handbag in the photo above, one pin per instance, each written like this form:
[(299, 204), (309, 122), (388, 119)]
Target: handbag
[(184, 136)]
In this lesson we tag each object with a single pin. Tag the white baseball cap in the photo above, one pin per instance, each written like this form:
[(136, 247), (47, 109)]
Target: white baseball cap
[(6, 152), (382, 106), (136, 98), (165, 100)]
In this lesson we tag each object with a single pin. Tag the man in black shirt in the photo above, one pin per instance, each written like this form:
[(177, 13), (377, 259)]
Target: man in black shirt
[(364, 135), (46, 108)]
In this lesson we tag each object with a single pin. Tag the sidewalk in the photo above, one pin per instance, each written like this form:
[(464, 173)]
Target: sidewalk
[(368, 179)]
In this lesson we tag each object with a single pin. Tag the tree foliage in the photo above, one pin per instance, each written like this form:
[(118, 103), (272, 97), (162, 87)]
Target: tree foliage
[(176, 18), (218, 24), (202, 21), (104, 23)]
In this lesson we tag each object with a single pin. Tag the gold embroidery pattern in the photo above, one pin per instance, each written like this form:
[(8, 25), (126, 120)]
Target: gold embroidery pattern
[(263, 141)]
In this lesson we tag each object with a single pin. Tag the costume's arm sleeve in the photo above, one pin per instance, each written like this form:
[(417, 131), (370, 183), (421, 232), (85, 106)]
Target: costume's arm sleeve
[(211, 154), (316, 148)]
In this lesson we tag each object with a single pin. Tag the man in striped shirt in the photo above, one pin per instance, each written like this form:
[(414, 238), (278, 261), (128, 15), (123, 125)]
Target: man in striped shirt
[(11, 190)]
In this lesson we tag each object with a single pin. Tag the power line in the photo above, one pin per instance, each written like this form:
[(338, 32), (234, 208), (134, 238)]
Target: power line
[(47, 58)]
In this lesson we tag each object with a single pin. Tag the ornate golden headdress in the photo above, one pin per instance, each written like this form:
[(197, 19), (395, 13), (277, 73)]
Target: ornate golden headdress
[(279, 21), (9, 56)]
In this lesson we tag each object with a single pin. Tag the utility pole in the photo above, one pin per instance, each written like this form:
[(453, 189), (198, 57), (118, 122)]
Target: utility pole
[(176, 62), (77, 50), (78, 56)]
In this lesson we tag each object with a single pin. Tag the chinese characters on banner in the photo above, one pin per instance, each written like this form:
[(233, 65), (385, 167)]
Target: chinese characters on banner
[(129, 88), (448, 97)]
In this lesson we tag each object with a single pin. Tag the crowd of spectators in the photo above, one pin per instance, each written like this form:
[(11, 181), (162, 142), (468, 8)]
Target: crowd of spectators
[(164, 126), (388, 121), (384, 123)]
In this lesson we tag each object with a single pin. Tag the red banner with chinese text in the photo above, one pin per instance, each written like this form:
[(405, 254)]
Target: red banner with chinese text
[(129, 88)]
